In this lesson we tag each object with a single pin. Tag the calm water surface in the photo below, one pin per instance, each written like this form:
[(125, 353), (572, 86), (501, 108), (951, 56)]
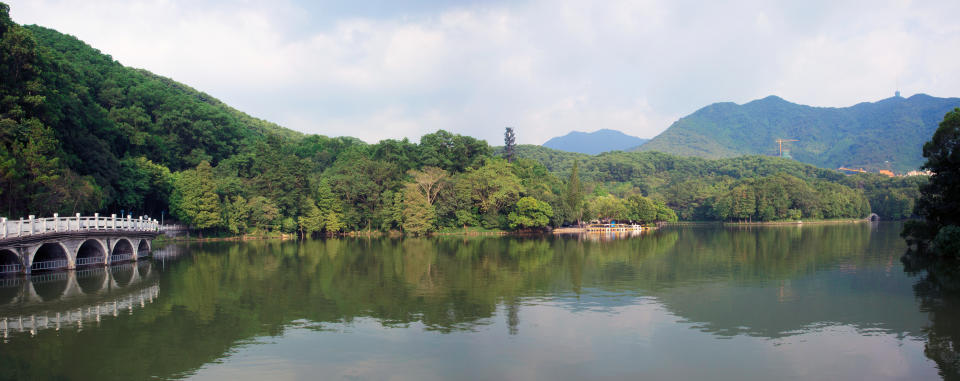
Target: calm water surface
[(813, 302)]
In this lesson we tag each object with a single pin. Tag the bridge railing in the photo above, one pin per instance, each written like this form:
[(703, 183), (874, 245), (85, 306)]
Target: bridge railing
[(50, 265), (11, 268), (34, 226), (121, 258), (89, 261)]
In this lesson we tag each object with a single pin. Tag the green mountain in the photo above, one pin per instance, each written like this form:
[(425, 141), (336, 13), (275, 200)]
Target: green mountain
[(867, 135), (693, 186), (592, 143), (72, 120)]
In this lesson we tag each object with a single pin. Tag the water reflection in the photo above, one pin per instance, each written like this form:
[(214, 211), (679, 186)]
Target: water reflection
[(69, 298), (507, 307), (938, 290)]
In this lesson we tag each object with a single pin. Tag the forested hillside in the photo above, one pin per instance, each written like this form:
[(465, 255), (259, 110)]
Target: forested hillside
[(594, 142), (75, 124), (80, 133), (887, 134), (692, 186)]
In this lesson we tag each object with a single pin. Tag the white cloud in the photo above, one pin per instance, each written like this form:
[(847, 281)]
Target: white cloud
[(544, 67)]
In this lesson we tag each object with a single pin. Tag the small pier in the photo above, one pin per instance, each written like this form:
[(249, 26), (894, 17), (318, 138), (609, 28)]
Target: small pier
[(603, 228)]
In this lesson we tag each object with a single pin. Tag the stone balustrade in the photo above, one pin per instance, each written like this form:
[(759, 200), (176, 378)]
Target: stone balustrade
[(57, 224)]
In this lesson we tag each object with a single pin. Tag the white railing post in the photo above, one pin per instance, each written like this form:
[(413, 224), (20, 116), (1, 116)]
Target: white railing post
[(20, 228), (96, 221), (113, 221), (3, 220), (31, 217), (78, 222), (56, 222)]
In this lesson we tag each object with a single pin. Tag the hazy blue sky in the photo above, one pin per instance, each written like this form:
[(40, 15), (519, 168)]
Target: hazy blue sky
[(388, 69)]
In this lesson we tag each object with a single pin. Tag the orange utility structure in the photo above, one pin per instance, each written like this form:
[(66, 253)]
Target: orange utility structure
[(780, 145)]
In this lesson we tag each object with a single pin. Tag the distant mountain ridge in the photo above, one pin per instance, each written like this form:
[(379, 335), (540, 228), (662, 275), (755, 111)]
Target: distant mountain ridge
[(596, 142), (887, 134)]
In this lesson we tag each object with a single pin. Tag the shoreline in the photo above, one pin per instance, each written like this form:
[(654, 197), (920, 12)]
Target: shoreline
[(768, 223), (501, 233)]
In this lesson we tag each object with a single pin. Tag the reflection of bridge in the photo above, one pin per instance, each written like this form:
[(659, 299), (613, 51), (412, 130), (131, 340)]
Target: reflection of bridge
[(62, 299), (167, 252), (58, 242)]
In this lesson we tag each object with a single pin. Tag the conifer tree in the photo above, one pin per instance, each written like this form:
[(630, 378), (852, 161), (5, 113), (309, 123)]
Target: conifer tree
[(509, 143), (573, 196)]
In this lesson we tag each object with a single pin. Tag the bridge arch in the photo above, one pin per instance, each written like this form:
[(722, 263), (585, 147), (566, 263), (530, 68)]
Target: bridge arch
[(122, 251), (873, 217), (49, 256), (9, 261), (143, 248), (91, 252)]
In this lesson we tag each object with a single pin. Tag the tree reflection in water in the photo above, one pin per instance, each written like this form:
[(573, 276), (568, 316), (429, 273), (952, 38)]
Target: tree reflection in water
[(938, 291)]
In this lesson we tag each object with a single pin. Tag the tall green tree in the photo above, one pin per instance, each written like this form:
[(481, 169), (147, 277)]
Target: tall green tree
[(452, 152), (194, 199), (640, 208), (329, 207), (939, 203), (573, 195), (359, 182), (237, 215), (492, 186), (664, 213), (608, 207), (428, 182), (743, 203), (312, 221), (530, 213), (419, 216), (143, 185), (264, 214)]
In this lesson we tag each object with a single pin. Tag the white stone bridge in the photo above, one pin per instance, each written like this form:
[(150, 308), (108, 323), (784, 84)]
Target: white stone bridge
[(56, 243)]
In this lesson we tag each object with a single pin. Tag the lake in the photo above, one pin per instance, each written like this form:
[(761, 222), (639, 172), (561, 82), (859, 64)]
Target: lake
[(704, 302)]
